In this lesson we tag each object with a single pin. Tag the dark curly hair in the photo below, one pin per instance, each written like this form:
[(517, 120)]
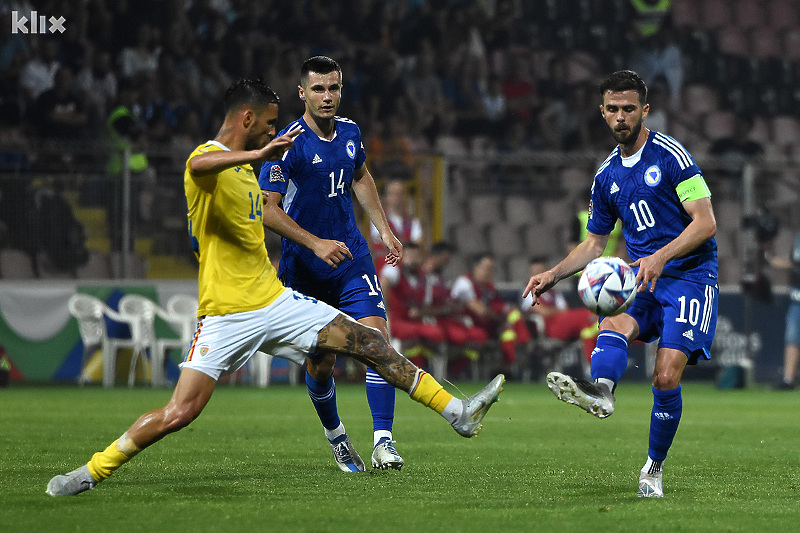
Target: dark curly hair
[(247, 91), (624, 80)]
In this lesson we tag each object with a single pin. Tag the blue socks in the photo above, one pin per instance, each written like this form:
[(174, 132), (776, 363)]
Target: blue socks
[(323, 396), (380, 396), (610, 357), (664, 420)]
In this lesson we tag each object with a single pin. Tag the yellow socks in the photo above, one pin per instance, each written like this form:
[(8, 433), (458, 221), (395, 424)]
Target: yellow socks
[(119, 452), (427, 391)]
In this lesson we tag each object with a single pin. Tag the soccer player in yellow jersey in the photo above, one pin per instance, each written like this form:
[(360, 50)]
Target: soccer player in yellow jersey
[(243, 305)]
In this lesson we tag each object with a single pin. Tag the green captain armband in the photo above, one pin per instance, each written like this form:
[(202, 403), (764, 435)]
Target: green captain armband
[(693, 189)]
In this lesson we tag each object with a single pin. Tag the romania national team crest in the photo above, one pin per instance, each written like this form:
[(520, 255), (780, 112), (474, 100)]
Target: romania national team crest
[(275, 173), (351, 149), (204, 349), (652, 176)]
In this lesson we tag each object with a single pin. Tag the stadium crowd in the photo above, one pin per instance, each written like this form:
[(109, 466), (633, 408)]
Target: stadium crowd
[(414, 69)]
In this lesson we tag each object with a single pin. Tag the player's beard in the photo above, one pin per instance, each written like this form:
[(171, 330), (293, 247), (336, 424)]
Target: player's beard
[(257, 142), (628, 137)]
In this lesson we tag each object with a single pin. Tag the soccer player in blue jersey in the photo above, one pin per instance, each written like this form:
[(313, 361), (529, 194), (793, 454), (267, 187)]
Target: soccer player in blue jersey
[(652, 184), (323, 253)]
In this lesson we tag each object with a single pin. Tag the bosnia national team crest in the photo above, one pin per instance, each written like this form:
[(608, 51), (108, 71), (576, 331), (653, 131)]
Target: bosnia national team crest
[(351, 149), (652, 176), (275, 173)]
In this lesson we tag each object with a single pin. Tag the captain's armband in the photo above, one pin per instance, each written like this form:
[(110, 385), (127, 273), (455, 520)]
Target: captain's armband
[(693, 189)]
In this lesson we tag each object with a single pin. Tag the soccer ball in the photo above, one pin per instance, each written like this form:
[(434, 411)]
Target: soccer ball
[(607, 286)]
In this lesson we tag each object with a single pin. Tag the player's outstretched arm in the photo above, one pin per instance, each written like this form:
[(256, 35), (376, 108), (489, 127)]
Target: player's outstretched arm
[(702, 227), (591, 248), (275, 218), (367, 194), (211, 163)]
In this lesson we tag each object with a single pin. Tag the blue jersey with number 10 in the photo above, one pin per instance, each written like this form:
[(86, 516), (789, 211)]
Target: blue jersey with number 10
[(315, 177), (644, 197)]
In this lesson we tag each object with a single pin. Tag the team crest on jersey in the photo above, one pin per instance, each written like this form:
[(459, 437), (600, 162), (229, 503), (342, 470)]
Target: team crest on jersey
[(652, 176), (204, 349), (275, 173), (351, 149)]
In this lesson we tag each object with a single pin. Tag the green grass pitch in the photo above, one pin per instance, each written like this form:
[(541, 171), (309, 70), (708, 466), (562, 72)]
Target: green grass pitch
[(256, 460)]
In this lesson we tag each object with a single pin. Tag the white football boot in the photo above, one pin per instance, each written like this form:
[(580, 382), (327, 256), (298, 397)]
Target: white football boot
[(594, 398)]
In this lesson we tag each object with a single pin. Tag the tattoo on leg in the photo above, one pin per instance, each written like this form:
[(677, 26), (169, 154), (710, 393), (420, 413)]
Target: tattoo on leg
[(347, 337)]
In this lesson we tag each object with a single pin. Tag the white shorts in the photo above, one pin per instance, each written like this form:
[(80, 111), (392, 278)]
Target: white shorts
[(287, 328)]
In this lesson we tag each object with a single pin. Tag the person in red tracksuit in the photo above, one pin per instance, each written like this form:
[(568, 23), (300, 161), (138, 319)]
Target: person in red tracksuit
[(421, 309), (405, 226), (561, 321), (404, 293), (488, 311)]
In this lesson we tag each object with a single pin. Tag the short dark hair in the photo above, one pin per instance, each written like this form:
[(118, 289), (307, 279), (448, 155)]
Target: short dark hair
[(478, 257), (320, 65), (442, 247), (624, 80), (247, 91)]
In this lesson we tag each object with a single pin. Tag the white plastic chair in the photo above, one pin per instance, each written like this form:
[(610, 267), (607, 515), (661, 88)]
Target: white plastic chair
[(139, 313), (181, 315), (91, 313)]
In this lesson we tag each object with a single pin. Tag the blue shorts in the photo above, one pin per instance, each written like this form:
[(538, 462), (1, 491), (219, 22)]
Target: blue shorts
[(683, 314), (792, 335), (354, 289)]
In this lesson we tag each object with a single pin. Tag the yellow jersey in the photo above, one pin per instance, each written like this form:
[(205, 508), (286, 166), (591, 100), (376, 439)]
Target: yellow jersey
[(227, 232)]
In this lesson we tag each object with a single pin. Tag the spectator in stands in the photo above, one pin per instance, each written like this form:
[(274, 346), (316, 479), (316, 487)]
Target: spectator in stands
[(519, 87), (494, 105), (38, 74), (424, 86), (98, 81), (737, 148), (564, 120), (60, 112), (410, 320), (142, 57), (390, 150), (458, 328), (660, 111), (791, 350), (14, 146), (487, 310), (650, 15), (13, 54), (558, 320), (402, 222), (661, 56)]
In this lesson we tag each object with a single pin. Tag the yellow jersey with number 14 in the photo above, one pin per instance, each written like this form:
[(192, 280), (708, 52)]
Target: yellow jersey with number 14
[(227, 232)]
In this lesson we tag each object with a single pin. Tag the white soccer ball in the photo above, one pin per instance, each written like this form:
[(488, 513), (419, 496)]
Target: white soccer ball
[(607, 286)]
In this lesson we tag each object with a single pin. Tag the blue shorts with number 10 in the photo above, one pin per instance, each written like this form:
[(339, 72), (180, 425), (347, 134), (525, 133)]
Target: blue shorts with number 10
[(353, 287), (682, 313)]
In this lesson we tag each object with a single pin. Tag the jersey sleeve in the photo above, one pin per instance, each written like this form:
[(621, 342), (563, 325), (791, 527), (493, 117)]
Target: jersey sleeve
[(601, 218), (361, 154), (275, 174), (678, 164)]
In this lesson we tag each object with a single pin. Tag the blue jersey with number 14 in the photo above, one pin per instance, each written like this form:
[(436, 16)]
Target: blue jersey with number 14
[(315, 177), (644, 197)]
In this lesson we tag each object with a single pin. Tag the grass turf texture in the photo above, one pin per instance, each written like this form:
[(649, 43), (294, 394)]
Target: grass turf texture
[(257, 460)]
